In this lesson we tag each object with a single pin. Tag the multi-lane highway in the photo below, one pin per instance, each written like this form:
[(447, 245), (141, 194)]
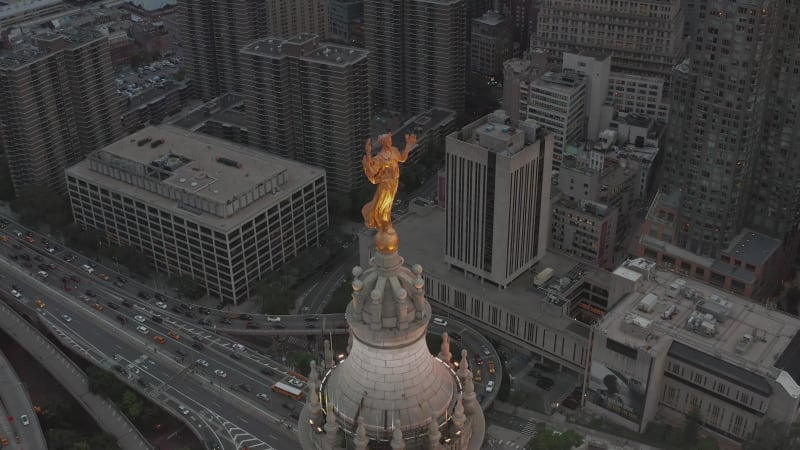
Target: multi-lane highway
[(22, 430)]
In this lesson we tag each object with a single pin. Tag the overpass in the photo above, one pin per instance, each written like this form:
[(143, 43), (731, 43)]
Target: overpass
[(105, 413)]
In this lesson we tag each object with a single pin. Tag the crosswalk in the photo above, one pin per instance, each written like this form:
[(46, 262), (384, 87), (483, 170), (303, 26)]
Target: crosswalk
[(529, 429)]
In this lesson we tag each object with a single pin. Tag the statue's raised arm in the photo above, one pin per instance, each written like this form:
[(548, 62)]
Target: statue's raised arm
[(383, 170)]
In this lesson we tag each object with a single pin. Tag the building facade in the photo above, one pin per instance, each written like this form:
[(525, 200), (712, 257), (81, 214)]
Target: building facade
[(584, 229), (418, 54), (199, 206), (557, 101), (490, 45), (59, 103), (343, 14), (286, 18), (642, 37), (310, 102), (498, 192)]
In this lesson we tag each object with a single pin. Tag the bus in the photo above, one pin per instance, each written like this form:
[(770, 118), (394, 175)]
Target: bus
[(289, 391)]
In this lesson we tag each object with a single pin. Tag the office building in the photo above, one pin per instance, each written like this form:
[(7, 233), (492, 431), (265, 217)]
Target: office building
[(517, 71), (222, 117), (597, 71), (643, 38), (199, 206), (417, 50), (498, 192), (310, 102), (491, 44), (557, 101), (673, 346), (522, 14), (638, 94), (59, 102), (584, 229)]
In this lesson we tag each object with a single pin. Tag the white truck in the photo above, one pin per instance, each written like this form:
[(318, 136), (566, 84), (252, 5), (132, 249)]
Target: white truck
[(543, 277)]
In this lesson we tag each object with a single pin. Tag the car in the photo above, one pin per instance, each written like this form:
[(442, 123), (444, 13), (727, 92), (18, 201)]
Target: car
[(98, 306), (159, 339), (245, 387), (238, 347), (235, 356), (544, 383), (439, 321), (16, 293), (24, 419), (202, 362), (139, 319), (253, 325), (39, 303), (279, 326), (176, 309), (173, 335), (273, 319), (310, 325), (245, 317), (225, 320), (143, 383), (144, 295), (198, 345), (30, 239), (478, 375), (189, 314), (478, 360), (118, 284), (104, 277), (66, 318), (187, 307), (87, 268), (42, 273), (161, 305), (490, 386), (311, 318), (112, 305), (288, 406), (91, 293), (159, 297), (184, 410), (122, 319), (571, 403), (142, 330), (262, 396), (486, 350), (205, 322), (220, 373), (267, 371), (295, 382), (181, 352), (204, 310), (156, 318), (492, 368)]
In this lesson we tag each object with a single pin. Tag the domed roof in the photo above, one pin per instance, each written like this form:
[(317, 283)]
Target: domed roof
[(390, 376)]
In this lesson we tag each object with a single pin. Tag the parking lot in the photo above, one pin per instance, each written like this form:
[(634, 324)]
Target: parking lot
[(133, 82)]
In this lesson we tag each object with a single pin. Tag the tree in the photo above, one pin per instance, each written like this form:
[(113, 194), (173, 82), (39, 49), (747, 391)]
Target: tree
[(505, 386), (302, 362), (134, 260), (549, 439), (611, 384), (691, 428), (772, 435), (707, 443), (187, 286), (340, 299), (61, 439), (40, 204), (104, 384), (132, 404)]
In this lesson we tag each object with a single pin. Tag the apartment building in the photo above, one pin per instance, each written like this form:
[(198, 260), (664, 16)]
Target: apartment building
[(310, 102), (286, 18), (222, 117), (16, 12), (642, 37), (557, 101), (498, 192), (418, 54), (584, 229), (637, 94), (490, 44), (59, 103), (199, 206), (343, 14)]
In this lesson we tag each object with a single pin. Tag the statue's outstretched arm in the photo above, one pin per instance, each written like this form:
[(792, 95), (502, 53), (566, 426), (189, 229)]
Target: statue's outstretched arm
[(411, 141)]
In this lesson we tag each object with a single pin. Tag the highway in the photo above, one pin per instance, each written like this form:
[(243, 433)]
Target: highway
[(14, 403)]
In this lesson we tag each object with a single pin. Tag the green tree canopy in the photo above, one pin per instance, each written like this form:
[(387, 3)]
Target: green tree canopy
[(549, 439), (104, 384), (187, 286), (40, 204), (772, 435)]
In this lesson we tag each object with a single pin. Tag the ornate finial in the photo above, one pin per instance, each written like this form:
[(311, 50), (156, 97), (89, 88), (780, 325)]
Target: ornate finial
[(434, 435), (459, 418), (397, 438), (331, 430), (464, 365), (383, 170), (361, 440), (312, 373), (444, 353)]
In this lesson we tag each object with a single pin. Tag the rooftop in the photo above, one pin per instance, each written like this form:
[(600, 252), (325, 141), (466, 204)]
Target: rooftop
[(306, 46), (224, 108), (564, 82), (752, 247), (740, 334), (26, 46), (215, 171), (424, 244), (490, 18)]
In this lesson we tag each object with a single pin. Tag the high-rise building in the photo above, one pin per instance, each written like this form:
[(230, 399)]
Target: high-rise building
[(418, 54), (557, 100), (59, 103), (200, 206), (498, 193), (214, 32), (490, 45), (643, 37), (343, 14), (310, 102), (597, 70), (287, 18)]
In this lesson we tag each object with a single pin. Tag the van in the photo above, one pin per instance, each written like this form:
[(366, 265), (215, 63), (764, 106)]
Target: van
[(159, 339), (439, 321)]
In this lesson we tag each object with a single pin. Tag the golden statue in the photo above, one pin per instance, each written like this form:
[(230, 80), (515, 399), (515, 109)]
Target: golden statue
[(383, 170)]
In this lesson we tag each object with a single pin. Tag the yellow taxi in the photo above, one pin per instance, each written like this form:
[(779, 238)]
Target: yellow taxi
[(159, 339), (4, 238), (478, 375), (174, 335), (39, 303), (492, 368), (104, 277), (98, 306)]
